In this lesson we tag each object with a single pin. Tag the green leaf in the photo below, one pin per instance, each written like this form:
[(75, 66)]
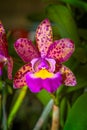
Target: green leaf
[(63, 106), (83, 33), (44, 97), (64, 21), (77, 118), (77, 3), (80, 55), (1, 85), (16, 105)]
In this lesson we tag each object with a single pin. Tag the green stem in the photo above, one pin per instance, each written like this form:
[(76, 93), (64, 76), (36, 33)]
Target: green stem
[(16, 106), (44, 115), (55, 113), (54, 98), (55, 118), (4, 118)]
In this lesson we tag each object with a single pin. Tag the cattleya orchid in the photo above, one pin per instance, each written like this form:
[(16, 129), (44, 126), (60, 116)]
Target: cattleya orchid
[(5, 58), (44, 69)]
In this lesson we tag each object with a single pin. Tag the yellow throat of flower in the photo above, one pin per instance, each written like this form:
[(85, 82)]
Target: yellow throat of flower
[(43, 73)]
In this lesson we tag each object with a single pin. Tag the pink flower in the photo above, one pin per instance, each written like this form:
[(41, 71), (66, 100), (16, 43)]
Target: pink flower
[(44, 69), (5, 59)]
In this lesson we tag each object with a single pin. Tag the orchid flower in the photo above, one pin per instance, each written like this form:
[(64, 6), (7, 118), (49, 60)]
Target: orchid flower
[(5, 59), (44, 68)]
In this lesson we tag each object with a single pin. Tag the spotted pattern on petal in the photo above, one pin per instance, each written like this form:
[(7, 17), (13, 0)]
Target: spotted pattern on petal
[(61, 50), (44, 37), (19, 79), (25, 49), (1, 28), (68, 76), (10, 67), (3, 41)]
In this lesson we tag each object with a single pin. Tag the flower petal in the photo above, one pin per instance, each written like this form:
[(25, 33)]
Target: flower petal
[(68, 76), (25, 49), (34, 84), (37, 84), (2, 31), (3, 41), (44, 37), (52, 84), (61, 50), (19, 79), (10, 67), (4, 56), (3, 59), (1, 67)]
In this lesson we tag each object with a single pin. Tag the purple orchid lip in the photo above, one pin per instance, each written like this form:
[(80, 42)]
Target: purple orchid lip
[(36, 84)]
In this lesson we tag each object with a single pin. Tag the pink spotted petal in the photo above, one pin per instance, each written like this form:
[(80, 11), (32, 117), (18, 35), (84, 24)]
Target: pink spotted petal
[(44, 37), (68, 76), (19, 79), (49, 84), (2, 31), (25, 49), (10, 67), (3, 41), (61, 50)]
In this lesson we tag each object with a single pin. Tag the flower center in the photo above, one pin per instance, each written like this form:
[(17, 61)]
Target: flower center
[(45, 64), (43, 73), (41, 63)]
